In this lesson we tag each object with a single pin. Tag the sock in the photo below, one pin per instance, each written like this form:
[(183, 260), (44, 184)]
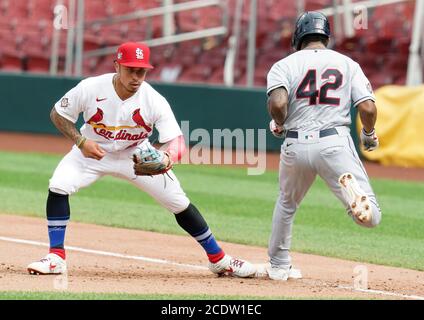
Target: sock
[(192, 222), (58, 213)]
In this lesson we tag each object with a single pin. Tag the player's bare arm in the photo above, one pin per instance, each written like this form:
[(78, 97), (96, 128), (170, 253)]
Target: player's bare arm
[(277, 108), (89, 148), (175, 148), (277, 105), (368, 114)]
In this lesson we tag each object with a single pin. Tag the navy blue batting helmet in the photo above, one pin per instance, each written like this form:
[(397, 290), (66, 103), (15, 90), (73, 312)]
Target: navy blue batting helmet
[(311, 22)]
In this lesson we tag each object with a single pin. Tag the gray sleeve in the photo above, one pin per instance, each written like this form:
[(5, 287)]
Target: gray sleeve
[(278, 77), (361, 87)]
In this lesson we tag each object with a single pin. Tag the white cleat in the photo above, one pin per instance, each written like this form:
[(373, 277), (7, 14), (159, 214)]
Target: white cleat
[(283, 273), (357, 199), (234, 267), (50, 264)]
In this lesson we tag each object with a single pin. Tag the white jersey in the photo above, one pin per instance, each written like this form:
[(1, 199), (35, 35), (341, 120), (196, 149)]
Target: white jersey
[(116, 124), (322, 85)]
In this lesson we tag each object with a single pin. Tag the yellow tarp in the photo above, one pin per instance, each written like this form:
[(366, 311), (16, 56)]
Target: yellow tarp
[(400, 126)]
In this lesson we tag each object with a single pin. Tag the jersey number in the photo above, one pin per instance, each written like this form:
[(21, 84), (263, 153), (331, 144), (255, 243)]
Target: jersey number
[(308, 87)]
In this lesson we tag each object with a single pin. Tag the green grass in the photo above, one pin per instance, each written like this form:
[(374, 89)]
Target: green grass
[(237, 207), (19, 295)]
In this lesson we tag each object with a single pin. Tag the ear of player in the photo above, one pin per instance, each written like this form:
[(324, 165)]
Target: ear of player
[(149, 161), (369, 140)]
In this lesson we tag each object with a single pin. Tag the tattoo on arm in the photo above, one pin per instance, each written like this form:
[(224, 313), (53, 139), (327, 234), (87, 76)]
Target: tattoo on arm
[(65, 126), (277, 105)]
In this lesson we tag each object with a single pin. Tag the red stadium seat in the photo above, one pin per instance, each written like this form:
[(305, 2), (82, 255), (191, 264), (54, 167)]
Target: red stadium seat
[(120, 7), (314, 5), (41, 9), (26, 27), (104, 65), (378, 80), (15, 9), (402, 45), (350, 44), (95, 9), (217, 77), (38, 64), (197, 73), (379, 45), (89, 66), (12, 60)]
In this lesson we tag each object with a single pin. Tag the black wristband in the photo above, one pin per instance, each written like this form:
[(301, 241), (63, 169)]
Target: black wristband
[(368, 134)]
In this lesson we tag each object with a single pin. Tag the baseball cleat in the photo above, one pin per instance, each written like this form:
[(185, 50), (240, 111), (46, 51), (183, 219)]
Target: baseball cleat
[(233, 267), (50, 264), (357, 199), (283, 273)]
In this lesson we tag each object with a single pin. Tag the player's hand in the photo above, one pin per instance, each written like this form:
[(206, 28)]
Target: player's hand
[(90, 149), (276, 129), (369, 140)]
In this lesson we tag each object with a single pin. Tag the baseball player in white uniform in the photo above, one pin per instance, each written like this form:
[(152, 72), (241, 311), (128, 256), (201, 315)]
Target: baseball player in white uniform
[(119, 111), (310, 94)]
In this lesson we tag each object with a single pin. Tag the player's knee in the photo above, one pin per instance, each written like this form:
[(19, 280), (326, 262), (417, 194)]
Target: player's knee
[(60, 191), (177, 204), (62, 186)]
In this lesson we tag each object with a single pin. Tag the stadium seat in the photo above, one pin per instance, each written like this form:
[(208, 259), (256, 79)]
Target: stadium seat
[(15, 9), (402, 45), (120, 7), (197, 73), (39, 64), (40, 9), (12, 60), (95, 9), (380, 79), (89, 66), (104, 65), (217, 77), (26, 31), (350, 44), (379, 45)]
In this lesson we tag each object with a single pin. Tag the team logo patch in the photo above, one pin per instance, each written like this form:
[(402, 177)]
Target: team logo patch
[(369, 87), (119, 55), (64, 102), (139, 54)]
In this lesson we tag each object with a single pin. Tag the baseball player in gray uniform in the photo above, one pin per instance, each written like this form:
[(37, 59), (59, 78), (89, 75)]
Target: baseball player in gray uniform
[(310, 94)]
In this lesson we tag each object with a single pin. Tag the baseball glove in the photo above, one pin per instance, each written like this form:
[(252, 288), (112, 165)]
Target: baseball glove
[(149, 161)]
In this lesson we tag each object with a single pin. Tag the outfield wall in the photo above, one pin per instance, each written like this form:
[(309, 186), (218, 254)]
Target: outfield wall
[(28, 99)]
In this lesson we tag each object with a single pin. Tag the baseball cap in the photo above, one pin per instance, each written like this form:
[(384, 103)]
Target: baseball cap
[(134, 54)]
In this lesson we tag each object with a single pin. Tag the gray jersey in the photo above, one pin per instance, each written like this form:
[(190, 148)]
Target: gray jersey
[(322, 85)]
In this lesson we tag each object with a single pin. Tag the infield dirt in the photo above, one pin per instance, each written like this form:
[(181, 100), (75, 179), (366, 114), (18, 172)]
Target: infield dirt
[(89, 272)]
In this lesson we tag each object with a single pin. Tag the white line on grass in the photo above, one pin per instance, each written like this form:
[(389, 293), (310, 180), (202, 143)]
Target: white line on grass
[(191, 266), (387, 293)]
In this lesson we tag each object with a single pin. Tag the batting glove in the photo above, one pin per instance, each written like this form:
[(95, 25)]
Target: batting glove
[(369, 140), (276, 129)]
